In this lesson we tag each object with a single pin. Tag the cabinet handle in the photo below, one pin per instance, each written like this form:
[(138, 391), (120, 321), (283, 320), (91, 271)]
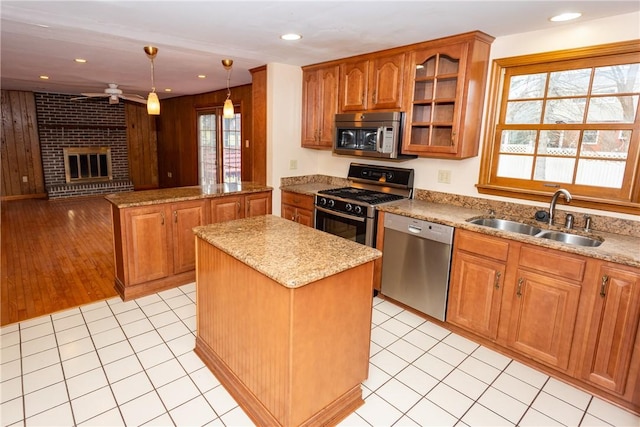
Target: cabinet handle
[(497, 282), (175, 217), (238, 204), (519, 290), (603, 285), (162, 216)]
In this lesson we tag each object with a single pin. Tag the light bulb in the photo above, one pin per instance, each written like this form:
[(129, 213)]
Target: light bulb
[(227, 110), (153, 104)]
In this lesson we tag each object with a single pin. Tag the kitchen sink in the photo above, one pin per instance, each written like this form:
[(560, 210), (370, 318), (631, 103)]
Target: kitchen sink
[(506, 225), (572, 239)]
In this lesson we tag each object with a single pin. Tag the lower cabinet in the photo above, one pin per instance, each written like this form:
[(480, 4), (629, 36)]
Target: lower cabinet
[(576, 315), (185, 216), (227, 208), (297, 207)]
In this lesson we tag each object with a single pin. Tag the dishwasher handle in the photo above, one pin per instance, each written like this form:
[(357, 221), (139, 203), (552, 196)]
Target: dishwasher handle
[(419, 228), (413, 229)]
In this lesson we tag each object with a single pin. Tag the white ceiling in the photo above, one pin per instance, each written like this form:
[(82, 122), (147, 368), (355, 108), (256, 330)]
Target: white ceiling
[(43, 37)]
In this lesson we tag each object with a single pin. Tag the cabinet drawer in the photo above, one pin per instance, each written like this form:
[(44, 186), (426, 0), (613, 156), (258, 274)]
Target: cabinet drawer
[(482, 244), (296, 199), (554, 262)]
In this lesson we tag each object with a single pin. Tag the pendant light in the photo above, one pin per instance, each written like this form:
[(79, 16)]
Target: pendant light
[(227, 110), (153, 103)]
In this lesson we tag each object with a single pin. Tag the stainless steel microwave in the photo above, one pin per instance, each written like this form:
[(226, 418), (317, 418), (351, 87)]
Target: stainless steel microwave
[(376, 135)]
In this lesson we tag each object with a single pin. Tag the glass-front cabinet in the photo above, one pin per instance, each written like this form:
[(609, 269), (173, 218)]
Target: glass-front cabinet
[(446, 84)]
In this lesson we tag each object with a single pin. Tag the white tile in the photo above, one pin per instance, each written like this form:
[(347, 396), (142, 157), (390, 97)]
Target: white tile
[(86, 382), (118, 306), (382, 337), (93, 306), (45, 399), (155, 308), (410, 319), (10, 338), (114, 352), (478, 415), (10, 389), (204, 379), (189, 287), (80, 364), (478, 369), (42, 378), (378, 317), (37, 331), (76, 348), (427, 413), (71, 321), (160, 421), (95, 403), (466, 384), (192, 296), (174, 292), (450, 400), (163, 319), (11, 411), (388, 308), (196, 412), (417, 379), (166, 372), (447, 353), (122, 368), (515, 388), (97, 313), (178, 301), (65, 313), (459, 343), (431, 329), (378, 412), (396, 327), (186, 311), (355, 420), (10, 370), (110, 418), (420, 339), (191, 323), (9, 353), (34, 322), (533, 418), (389, 362), (102, 325), (109, 337), (59, 416), (173, 330), (183, 344), (220, 400), (374, 349), (405, 350), (136, 328), (569, 394), (190, 362), (72, 334), (130, 316), (155, 355), (142, 409), (433, 366), (149, 299), (398, 394), (503, 404), (557, 409), (527, 374), (236, 417), (611, 413), (131, 387), (40, 360), (8, 329), (178, 392), (591, 421), (404, 422), (147, 340)]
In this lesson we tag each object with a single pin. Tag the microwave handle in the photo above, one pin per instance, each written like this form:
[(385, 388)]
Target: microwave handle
[(380, 138)]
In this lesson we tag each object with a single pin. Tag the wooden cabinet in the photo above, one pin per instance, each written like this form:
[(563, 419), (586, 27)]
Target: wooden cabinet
[(256, 204), (227, 208), (185, 216), (612, 351), (445, 81), (477, 282), (319, 105), (297, 207), (372, 84)]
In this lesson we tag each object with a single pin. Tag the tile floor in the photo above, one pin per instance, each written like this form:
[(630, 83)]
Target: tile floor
[(115, 363)]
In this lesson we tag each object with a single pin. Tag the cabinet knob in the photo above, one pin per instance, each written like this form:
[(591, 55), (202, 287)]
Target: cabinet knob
[(519, 290), (162, 218), (603, 285)]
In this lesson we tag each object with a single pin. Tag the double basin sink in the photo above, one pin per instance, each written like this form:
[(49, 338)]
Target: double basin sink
[(522, 228)]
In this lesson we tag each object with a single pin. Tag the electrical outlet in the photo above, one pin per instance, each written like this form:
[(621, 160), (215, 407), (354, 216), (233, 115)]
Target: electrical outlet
[(25, 178), (293, 164), (444, 176)]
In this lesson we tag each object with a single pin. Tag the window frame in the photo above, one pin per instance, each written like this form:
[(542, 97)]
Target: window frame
[(222, 146), (488, 183)]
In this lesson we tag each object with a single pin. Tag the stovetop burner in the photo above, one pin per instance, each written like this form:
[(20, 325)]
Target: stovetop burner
[(362, 195)]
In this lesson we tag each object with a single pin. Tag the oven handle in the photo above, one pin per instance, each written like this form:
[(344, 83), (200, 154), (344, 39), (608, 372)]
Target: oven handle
[(340, 214)]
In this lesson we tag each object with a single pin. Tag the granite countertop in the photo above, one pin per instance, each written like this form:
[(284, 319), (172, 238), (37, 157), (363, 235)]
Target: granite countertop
[(293, 255), (309, 189), (615, 248), (179, 194)]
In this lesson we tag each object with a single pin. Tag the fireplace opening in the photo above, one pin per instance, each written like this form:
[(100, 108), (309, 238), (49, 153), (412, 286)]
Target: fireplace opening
[(87, 164)]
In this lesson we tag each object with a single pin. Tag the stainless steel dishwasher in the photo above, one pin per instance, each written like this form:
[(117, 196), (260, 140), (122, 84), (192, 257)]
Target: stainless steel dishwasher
[(416, 262)]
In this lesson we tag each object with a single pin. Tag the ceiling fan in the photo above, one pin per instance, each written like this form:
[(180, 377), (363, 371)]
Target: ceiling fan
[(114, 94)]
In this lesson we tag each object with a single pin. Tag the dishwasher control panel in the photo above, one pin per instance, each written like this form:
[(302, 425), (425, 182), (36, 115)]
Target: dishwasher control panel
[(425, 229)]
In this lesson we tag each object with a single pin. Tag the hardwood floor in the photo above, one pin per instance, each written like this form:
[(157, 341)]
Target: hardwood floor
[(56, 254)]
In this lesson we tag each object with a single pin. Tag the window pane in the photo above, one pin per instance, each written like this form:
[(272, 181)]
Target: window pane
[(559, 142), (569, 83), (527, 86), (613, 109), (232, 162), (523, 112), (554, 169), (607, 144), (617, 79), (510, 166), (569, 110), (518, 141), (600, 173)]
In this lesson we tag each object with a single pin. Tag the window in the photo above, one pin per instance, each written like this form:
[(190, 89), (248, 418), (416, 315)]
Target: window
[(566, 119), (219, 163)]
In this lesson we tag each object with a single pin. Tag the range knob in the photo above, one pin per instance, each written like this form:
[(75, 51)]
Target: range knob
[(322, 201), (358, 210), (331, 203), (348, 207)]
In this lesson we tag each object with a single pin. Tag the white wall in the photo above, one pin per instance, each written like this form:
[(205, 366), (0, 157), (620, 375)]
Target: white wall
[(285, 104)]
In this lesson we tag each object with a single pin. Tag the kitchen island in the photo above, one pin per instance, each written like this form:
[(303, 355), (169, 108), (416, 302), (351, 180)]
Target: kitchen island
[(284, 318)]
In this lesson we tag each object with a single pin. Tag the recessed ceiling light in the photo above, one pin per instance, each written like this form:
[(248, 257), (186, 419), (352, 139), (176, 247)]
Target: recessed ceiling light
[(202, 76), (80, 60), (44, 77), (291, 36), (565, 17)]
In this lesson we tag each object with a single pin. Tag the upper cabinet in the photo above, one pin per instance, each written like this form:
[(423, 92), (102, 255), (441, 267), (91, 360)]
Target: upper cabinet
[(446, 83), (372, 84), (319, 105)]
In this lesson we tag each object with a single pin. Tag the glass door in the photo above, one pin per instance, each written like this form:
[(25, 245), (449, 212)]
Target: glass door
[(219, 147)]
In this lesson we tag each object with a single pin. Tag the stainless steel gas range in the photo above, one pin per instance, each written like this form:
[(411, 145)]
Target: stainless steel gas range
[(350, 212)]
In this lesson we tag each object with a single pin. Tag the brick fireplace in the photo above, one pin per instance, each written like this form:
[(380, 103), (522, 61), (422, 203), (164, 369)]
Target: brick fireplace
[(89, 125)]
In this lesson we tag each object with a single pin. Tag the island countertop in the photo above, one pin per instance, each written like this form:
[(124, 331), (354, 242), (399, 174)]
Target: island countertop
[(289, 253), (177, 194)]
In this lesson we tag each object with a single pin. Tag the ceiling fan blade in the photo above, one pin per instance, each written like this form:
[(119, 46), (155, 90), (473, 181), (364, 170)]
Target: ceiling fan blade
[(79, 98), (95, 94), (134, 98)]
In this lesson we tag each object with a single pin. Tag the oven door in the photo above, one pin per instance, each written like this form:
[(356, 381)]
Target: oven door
[(357, 229)]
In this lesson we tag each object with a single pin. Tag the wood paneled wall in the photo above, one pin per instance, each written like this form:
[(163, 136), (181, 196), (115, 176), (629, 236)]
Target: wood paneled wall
[(22, 174), (142, 147)]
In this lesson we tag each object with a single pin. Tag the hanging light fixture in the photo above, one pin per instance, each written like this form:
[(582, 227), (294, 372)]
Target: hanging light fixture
[(227, 110), (153, 103)]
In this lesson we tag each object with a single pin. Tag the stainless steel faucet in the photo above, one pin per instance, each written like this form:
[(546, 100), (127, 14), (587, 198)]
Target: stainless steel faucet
[(554, 200)]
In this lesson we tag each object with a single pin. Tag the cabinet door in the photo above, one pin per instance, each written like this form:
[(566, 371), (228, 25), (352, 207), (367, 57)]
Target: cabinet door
[(354, 85), (328, 105), (305, 217), (186, 215), (147, 242), (227, 208), (288, 212), (543, 316), (475, 293), (310, 108), (386, 75), (613, 330), (257, 204)]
